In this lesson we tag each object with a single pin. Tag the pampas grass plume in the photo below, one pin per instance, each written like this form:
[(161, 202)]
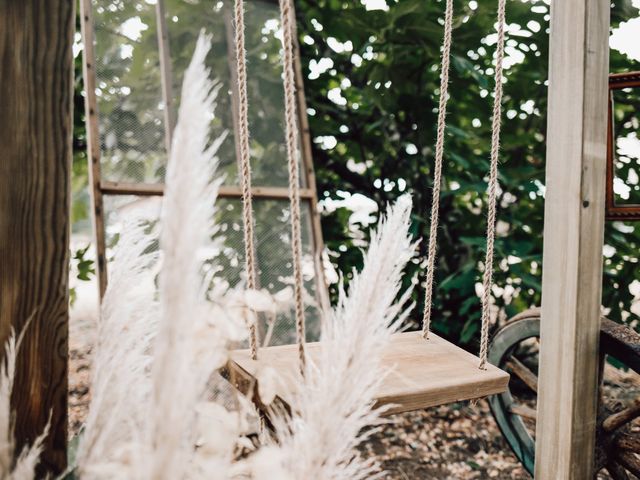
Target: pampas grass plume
[(333, 405)]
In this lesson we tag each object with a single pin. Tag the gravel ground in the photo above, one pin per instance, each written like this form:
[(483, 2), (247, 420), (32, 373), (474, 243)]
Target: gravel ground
[(456, 441), (79, 380)]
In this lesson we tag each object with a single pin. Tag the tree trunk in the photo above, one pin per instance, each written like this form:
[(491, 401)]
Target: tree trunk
[(36, 86)]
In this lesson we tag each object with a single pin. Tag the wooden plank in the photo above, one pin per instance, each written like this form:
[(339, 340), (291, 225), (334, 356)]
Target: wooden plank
[(573, 238), (36, 87), (421, 373), (521, 371), (129, 188), (523, 411), (93, 142), (225, 191)]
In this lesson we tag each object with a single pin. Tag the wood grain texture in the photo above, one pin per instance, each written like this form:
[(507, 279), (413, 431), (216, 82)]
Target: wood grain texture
[(422, 373), (573, 238), (36, 88)]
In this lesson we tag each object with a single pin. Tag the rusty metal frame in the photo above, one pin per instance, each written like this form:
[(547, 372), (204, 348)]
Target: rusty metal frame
[(616, 211)]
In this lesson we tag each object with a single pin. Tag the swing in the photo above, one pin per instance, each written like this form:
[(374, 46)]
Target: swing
[(424, 369)]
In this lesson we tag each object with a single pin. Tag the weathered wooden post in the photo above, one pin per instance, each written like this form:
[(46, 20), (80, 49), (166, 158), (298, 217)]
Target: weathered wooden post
[(36, 88), (573, 237)]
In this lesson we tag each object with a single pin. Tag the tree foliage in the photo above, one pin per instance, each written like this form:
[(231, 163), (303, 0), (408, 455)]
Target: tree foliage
[(371, 83), (372, 89)]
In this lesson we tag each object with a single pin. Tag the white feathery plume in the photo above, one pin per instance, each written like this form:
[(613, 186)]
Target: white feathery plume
[(189, 345), (149, 417), (335, 401), (7, 374), (25, 465), (121, 385)]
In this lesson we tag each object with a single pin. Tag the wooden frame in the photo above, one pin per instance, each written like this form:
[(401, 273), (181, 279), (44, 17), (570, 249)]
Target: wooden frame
[(615, 211), (573, 239), (225, 191), (99, 187), (93, 142)]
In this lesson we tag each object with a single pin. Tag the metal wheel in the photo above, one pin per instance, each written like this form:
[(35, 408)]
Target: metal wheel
[(515, 349)]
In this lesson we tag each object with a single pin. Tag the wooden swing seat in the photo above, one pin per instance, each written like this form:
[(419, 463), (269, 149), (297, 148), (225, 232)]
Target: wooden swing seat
[(423, 373)]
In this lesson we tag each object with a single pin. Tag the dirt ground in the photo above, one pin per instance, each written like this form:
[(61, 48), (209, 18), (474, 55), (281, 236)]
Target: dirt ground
[(456, 441), (450, 442)]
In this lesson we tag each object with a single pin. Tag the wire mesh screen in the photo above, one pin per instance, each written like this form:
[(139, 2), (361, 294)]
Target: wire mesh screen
[(273, 252), (129, 91), (184, 20), (132, 132)]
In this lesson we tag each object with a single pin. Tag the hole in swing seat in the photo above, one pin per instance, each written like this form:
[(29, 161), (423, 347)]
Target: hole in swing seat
[(422, 373)]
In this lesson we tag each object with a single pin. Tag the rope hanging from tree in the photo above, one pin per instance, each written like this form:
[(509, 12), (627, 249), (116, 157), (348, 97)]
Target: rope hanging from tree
[(245, 162), (291, 131), (492, 184), (287, 21), (437, 171)]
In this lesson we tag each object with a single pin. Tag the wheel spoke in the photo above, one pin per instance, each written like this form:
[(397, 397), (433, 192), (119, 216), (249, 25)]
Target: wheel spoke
[(615, 421), (628, 442), (629, 461), (523, 373), (523, 411)]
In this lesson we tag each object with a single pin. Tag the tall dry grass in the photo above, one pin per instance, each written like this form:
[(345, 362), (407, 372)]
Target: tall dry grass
[(333, 405), (155, 413)]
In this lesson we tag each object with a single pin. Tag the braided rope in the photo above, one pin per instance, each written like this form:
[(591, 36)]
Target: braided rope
[(245, 162), (437, 174), (493, 187), (287, 21)]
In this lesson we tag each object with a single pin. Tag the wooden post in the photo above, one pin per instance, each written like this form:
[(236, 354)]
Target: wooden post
[(36, 87), (93, 143), (573, 238), (166, 76), (322, 287)]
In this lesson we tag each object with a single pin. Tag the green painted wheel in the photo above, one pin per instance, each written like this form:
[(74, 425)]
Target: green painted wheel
[(514, 348), (504, 407)]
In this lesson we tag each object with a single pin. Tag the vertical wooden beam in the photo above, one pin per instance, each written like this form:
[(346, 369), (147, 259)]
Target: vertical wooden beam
[(322, 287), (93, 141), (36, 87), (166, 75), (573, 238)]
